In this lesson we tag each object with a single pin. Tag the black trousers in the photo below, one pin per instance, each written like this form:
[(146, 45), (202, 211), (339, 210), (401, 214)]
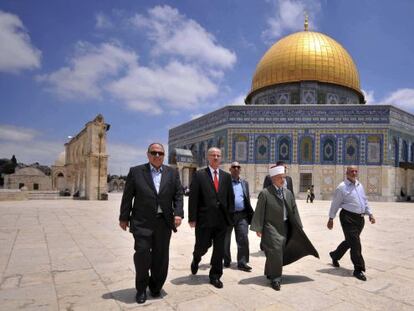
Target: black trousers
[(352, 225), (241, 231), (152, 255), (205, 237)]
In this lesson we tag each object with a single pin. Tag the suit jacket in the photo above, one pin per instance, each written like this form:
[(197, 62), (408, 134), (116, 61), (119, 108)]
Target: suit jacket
[(140, 199), (268, 181), (207, 207), (246, 195)]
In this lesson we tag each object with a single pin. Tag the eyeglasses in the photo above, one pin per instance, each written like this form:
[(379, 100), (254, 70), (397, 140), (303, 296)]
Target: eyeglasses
[(238, 167), (354, 171), (156, 153)]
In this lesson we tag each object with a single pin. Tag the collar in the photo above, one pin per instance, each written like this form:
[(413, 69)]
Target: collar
[(236, 180), (212, 170), (153, 169), (349, 183), (278, 188)]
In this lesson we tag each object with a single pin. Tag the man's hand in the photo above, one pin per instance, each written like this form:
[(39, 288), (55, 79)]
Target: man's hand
[(192, 224), (372, 219), (330, 224), (259, 234), (123, 224), (177, 221)]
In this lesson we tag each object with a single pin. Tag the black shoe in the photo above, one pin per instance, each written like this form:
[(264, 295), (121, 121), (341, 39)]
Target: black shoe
[(226, 264), (141, 297), (155, 294), (275, 285), (244, 267), (194, 267), (216, 283), (335, 262), (360, 275)]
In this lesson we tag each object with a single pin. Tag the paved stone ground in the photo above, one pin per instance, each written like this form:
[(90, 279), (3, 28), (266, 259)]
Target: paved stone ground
[(71, 255)]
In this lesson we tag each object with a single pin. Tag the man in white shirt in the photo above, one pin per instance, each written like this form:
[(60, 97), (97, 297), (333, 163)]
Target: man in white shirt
[(350, 197)]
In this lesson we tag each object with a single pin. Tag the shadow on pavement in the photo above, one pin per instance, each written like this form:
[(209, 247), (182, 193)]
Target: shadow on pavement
[(337, 271), (128, 295), (286, 279), (124, 295), (191, 280)]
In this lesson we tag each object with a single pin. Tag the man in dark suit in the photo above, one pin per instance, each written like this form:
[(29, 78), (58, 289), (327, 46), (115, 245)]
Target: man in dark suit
[(152, 207), (243, 213), (288, 180), (211, 205)]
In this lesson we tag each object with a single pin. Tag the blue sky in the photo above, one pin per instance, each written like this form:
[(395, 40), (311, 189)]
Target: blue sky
[(150, 65)]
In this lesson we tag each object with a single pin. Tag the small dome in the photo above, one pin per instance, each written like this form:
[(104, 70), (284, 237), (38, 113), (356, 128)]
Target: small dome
[(306, 56)]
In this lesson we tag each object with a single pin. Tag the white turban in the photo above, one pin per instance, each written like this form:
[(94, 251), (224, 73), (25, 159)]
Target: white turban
[(277, 170)]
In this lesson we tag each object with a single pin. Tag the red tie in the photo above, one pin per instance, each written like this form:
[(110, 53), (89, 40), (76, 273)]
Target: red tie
[(215, 181)]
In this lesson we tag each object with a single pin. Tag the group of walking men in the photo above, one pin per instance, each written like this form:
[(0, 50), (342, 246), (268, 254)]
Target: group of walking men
[(152, 208)]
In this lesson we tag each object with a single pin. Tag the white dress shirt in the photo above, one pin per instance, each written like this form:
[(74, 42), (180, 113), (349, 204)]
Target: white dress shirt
[(350, 197)]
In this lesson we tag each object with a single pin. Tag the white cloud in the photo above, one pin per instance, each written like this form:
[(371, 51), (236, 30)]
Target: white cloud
[(175, 34), (239, 100), (44, 152), (102, 21), (369, 97), (196, 116), (289, 17), (16, 134), (16, 50), (185, 69), (176, 85), (402, 98), (89, 70)]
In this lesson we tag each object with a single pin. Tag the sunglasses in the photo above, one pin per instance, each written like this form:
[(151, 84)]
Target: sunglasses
[(156, 153), (238, 167)]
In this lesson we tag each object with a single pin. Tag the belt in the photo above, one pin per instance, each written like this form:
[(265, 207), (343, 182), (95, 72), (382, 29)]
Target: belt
[(353, 214)]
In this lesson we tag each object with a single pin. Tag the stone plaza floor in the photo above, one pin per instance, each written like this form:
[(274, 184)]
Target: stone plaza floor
[(72, 255)]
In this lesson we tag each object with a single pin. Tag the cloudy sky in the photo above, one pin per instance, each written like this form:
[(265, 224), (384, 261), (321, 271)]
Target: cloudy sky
[(150, 65)]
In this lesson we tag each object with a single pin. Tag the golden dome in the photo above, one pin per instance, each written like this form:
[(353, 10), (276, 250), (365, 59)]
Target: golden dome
[(306, 56)]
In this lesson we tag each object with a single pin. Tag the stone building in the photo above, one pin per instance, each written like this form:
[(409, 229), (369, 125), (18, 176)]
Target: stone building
[(83, 167), (28, 178), (306, 108)]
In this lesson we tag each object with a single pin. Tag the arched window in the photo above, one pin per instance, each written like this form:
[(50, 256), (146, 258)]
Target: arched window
[(306, 150), (262, 149), (240, 148), (351, 150), (395, 149), (404, 155), (283, 150), (412, 152), (373, 149), (329, 150), (202, 150)]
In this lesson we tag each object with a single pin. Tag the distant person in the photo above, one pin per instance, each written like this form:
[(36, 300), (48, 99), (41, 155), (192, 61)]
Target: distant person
[(277, 222), (211, 205), (152, 207), (308, 195), (288, 184), (350, 197), (312, 194), (243, 213)]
